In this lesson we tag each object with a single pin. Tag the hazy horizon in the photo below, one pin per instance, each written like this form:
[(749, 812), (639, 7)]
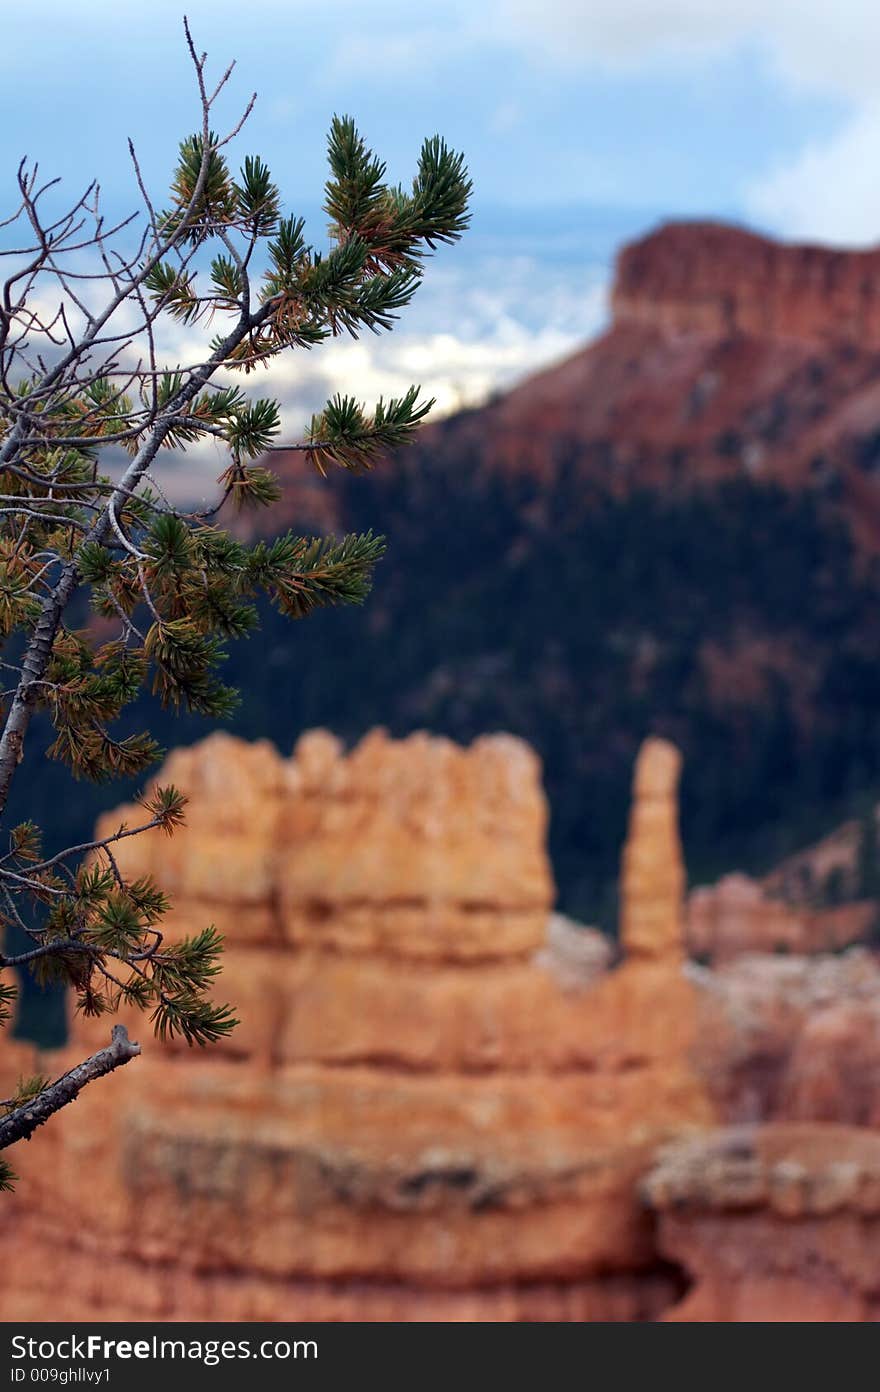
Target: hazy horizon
[(743, 112)]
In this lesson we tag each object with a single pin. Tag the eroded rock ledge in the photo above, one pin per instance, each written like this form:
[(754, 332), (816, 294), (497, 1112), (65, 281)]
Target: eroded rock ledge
[(439, 1100), (773, 1222), (443, 1101)]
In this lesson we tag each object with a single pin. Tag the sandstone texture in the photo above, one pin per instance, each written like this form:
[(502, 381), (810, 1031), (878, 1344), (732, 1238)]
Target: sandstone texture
[(778, 1222), (445, 1102), (792, 1037), (716, 279), (439, 1100), (778, 1217), (738, 915), (652, 874)]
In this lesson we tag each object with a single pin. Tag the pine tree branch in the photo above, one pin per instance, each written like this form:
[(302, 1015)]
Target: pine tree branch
[(40, 647), (21, 1124), (65, 524)]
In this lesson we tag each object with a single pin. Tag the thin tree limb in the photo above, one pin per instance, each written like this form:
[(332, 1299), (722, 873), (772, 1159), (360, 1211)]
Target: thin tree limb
[(23, 1122)]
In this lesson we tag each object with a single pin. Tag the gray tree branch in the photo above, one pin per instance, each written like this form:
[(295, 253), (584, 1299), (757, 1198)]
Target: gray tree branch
[(23, 1122)]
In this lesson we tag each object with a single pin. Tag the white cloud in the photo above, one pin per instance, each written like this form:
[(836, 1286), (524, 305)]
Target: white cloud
[(831, 193), (408, 54), (621, 35), (830, 190), (455, 371), (811, 43), (511, 319), (811, 47)]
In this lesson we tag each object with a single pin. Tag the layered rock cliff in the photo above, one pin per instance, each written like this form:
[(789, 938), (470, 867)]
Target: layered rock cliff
[(433, 1108), (729, 354), (721, 281), (773, 1223), (444, 1102), (740, 915)]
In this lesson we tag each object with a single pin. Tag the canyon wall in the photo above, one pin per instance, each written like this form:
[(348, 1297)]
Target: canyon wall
[(444, 1102), (437, 1104), (776, 1214), (779, 1223), (715, 279), (728, 356)]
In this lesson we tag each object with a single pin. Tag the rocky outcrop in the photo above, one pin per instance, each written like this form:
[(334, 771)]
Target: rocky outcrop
[(714, 279), (773, 1223), (437, 1104), (738, 915), (652, 874), (412, 849), (840, 861), (442, 1099), (728, 354), (792, 1037)]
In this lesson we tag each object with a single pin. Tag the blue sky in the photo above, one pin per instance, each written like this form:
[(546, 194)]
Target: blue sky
[(584, 122)]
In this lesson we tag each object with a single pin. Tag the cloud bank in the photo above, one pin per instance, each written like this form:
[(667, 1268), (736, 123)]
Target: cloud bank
[(501, 322), (830, 190)]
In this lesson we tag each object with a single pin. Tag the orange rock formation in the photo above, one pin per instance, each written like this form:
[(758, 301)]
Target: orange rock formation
[(653, 879), (791, 1037), (738, 915), (441, 1103), (773, 1223), (433, 1108)]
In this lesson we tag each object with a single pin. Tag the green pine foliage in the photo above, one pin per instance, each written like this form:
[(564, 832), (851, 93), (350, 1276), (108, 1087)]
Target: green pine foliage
[(171, 588)]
